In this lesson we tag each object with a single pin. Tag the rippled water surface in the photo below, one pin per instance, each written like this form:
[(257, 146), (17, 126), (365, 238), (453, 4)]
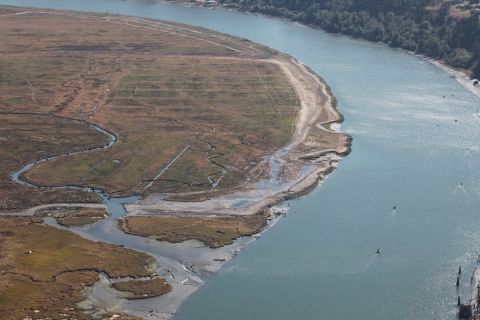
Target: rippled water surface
[(408, 151)]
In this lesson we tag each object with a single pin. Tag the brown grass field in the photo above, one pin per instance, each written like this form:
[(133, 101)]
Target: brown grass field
[(25, 138), (60, 265), (159, 88)]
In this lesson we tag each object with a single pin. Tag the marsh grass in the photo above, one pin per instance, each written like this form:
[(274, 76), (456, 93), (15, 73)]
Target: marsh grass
[(45, 269), (156, 105), (213, 232), (143, 289), (25, 138)]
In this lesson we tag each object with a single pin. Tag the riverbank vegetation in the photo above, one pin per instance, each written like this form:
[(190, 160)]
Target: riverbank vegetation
[(442, 30), (43, 269), (212, 231)]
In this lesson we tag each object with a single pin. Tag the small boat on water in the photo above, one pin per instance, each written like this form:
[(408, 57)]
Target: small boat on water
[(378, 251)]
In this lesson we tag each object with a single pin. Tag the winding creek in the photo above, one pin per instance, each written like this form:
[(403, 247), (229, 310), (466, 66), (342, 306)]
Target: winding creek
[(112, 137), (416, 146)]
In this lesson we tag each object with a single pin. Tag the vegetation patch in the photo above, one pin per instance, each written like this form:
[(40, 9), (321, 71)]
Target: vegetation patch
[(74, 217), (213, 232), (43, 269), (142, 289)]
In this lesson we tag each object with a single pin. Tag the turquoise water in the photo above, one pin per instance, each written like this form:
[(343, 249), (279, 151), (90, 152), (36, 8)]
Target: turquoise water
[(408, 151)]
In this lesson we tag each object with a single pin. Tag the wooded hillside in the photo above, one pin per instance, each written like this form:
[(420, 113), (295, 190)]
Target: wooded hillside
[(439, 29)]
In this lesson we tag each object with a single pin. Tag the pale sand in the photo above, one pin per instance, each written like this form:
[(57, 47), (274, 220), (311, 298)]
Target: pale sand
[(461, 77)]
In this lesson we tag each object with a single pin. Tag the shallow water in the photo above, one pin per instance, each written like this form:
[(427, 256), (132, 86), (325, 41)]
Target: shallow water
[(408, 151)]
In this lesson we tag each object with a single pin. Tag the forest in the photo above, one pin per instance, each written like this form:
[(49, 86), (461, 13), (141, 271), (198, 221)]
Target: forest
[(434, 28)]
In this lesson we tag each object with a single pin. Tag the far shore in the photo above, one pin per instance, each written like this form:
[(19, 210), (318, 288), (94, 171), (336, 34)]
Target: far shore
[(461, 77)]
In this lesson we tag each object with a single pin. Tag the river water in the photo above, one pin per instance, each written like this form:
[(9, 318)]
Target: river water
[(415, 146)]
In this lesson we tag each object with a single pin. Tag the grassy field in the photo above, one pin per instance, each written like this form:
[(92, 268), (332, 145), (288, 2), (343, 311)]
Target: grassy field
[(159, 88), (43, 269), (213, 232)]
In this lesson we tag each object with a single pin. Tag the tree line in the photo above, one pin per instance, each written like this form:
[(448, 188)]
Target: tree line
[(421, 26)]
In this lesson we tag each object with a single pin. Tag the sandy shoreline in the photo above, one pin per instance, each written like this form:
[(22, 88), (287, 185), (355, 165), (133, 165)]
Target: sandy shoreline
[(461, 77)]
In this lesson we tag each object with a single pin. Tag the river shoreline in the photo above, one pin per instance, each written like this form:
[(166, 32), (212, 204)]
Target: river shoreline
[(460, 76)]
